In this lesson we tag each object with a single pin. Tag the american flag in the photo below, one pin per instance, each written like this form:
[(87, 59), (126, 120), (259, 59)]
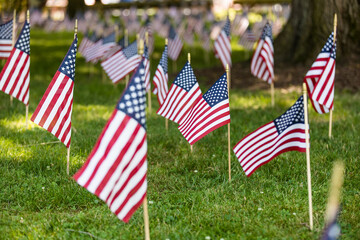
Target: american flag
[(209, 113), (15, 75), (86, 44), (248, 39), (222, 45), (321, 77), (107, 44), (175, 44), (160, 79), (262, 63), (183, 94), (6, 39), (92, 54), (116, 169), (55, 108), (122, 63), (147, 68), (285, 133)]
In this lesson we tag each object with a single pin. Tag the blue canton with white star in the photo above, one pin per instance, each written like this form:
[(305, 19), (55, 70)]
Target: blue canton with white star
[(133, 101), (227, 26), (67, 66), (164, 59), (294, 115), (186, 78), (23, 42), (267, 32), (218, 92), (130, 50), (330, 47), (109, 39), (6, 30)]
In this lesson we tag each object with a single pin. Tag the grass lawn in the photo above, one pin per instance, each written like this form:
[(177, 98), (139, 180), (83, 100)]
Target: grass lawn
[(189, 193)]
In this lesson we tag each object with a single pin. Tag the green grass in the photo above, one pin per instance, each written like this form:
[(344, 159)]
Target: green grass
[(190, 195)]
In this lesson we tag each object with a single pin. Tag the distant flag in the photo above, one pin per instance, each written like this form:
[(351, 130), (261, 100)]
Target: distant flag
[(15, 75), (122, 63), (222, 45), (86, 44), (116, 169), (107, 44), (160, 80), (209, 113), (285, 133), (321, 77), (175, 44), (147, 68), (183, 94), (248, 39), (262, 63), (55, 108), (92, 53), (6, 39)]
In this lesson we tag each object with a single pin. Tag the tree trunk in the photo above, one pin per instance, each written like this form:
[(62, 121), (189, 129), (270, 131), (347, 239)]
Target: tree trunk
[(309, 26)]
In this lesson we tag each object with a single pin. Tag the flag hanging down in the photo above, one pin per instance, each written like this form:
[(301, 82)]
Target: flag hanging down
[(209, 113), (262, 62), (222, 45), (175, 44), (15, 75), (147, 67), (183, 94), (116, 169), (320, 78), (122, 63), (107, 44), (285, 133), (55, 108), (6, 39), (160, 80)]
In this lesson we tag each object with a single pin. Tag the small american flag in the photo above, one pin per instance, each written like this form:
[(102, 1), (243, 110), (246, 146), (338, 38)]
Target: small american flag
[(262, 63), (15, 76), (6, 39), (86, 44), (116, 169), (107, 44), (175, 44), (183, 94), (247, 40), (321, 77), (147, 67), (209, 113), (222, 45), (55, 108), (160, 80), (91, 55), (285, 133), (122, 63)]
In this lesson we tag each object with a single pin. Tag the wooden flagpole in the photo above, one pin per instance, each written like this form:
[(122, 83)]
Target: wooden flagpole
[(229, 155), (27, 106), (126, 43), (308, 155), (166, 120), (189, 60), (146, 219), (149, 92), (272, 92), (13, 44), (331, 111)]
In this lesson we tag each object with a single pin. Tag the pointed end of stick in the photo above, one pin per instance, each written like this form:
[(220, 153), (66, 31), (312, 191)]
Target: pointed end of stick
[(166, 41), (189, 57)]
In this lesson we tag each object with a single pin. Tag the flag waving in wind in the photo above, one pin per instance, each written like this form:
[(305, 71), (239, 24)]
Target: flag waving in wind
[(6, 39), (55, 108), (209, 113), (116, 169), (183, 94), (262, 62), (161, 78), (15, 76), (222, 45), (320, 78), (285, 133)]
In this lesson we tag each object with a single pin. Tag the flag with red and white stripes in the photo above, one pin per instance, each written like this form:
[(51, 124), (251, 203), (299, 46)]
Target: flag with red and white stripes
[(285, 133), (175, 44), (55, 108), (183, 94), (116, 169), (107, 44), (122, 63), (262, 62), (160, 79), (320, 78), (85, 43), (92, 53), (222, 45), (147, 68), (209, 113), (15, 75), (6, 39)]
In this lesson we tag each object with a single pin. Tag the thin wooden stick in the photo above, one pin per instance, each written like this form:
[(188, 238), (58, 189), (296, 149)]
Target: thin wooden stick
[(26, 116), (308, 155), (68, 161), (189, 60), (331, 111), (272, 91), (146, 220), (166, 124), (13, 44), (126, 43), (229, 154), (149, 91)]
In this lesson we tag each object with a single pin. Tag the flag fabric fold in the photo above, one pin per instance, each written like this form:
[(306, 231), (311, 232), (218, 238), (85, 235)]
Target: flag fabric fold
[(183, 94), (262, 62), (15, 75), (160, 79), (209, 113), (6, 39), (55, 108), (285, 133), (116, 169), (222, 45), (320, 79)]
